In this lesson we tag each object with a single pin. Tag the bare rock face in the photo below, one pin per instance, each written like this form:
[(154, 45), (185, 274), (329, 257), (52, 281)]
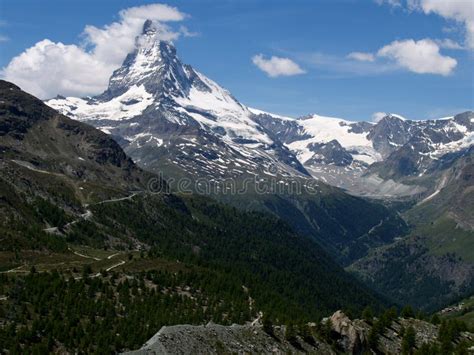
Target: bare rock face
[(235, 339), (352, 334)]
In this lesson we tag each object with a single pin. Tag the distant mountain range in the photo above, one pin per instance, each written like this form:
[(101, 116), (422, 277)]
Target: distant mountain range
[(380, 159), (170, 117)]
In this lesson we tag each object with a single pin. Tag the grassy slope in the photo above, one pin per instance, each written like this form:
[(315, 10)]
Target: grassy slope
[(287, 274)]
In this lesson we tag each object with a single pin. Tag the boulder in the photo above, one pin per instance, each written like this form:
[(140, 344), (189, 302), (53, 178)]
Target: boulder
[(352, 336)]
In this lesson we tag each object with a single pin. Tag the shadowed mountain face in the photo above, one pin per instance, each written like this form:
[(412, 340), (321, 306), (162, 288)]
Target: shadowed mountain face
[(435, 262), (52, 168), (37, 142)]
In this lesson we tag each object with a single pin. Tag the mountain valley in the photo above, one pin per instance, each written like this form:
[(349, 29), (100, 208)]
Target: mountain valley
[(164, 204), (403, 181)]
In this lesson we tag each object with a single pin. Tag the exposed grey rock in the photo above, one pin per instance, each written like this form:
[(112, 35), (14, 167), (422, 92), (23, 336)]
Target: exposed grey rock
[(349, 337), (183, 132), (405, 150), (331, 153), (352, 334), (218, 339)]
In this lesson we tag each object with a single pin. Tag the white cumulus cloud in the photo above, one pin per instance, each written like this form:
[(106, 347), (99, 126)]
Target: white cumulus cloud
[(49, 68), (461, 11), (422, 57), (361, 56), (277, 66), (448, 43)]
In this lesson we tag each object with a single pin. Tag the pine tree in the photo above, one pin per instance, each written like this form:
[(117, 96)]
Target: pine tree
[(374, 335), (435, 319), (407, 312), (409, 341), (368, 314)]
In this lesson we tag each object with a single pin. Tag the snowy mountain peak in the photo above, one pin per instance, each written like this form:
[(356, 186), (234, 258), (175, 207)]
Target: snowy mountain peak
[(151, 36), (154, 64), (395, 116), (154, 100)]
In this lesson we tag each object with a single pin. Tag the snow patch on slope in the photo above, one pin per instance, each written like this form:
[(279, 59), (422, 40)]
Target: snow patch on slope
[(454, 146), (397, 116), (323, 129), (130, 104), (226, 112)]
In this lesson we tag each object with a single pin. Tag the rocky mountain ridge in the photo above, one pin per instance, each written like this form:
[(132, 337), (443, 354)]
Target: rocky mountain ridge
[(169, 116), (374, 159), (37, 140), (337, 334)]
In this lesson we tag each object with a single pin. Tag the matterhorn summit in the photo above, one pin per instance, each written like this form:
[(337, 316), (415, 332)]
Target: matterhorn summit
[(165, 113)]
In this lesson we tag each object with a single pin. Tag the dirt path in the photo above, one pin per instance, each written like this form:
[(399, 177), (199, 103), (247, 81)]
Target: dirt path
[(118, 199), (116, 265), (122, 262), (84, 256), (32, 168), (14, 270), (88, 214)]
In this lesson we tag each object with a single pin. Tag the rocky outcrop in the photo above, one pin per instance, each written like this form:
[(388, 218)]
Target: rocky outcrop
[(352, 335), (218, 339), (329, 153), (346, 337)]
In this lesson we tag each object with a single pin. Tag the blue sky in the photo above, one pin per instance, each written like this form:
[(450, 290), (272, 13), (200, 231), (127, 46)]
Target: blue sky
[(316, 36)]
